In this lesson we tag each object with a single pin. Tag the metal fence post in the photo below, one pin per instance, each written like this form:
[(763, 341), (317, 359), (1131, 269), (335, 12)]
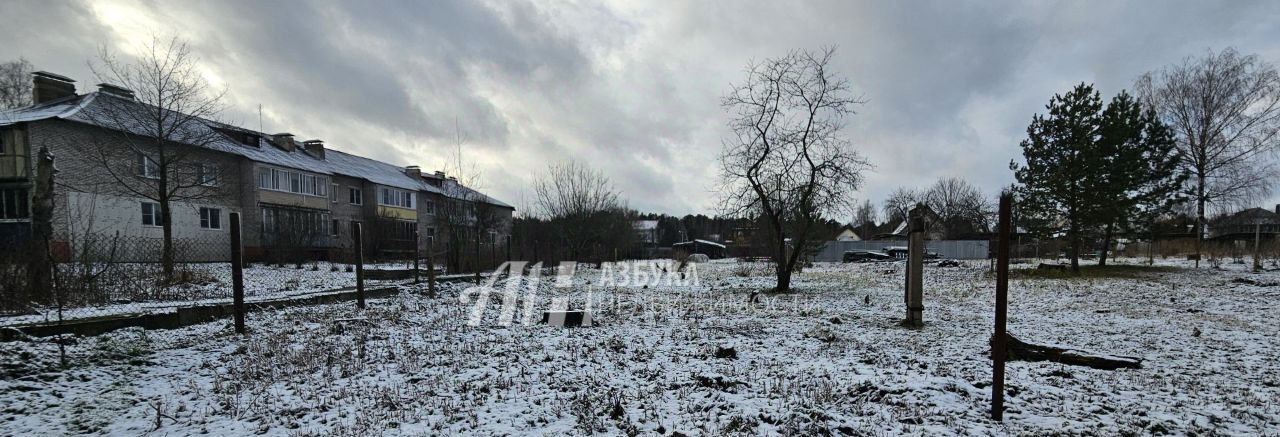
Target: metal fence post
[(999, 347), (416, 255), (237, 272), (431, 265), (359, 266)]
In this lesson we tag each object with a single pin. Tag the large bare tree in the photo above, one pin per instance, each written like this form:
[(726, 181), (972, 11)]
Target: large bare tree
[(15, 84), (899, 203), (1224, 110), (960, 205), (155, 129), (788, 161), (584, 208)]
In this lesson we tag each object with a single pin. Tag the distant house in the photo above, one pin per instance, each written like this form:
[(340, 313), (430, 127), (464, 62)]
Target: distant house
[(1243, 225), (646, 231), (711, 249), (848, 233)]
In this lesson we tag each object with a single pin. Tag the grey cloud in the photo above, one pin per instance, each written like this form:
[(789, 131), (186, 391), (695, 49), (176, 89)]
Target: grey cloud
[(633, 88)]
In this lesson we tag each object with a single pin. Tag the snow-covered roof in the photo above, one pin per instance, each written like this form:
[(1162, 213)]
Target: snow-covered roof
[(90, 109), (644, 225), (699, 241)]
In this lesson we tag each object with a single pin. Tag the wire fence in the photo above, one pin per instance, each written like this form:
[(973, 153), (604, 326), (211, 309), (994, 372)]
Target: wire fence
[(75, 278)]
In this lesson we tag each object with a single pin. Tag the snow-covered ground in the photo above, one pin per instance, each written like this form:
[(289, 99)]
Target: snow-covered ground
[(829, 358), (139, 291)]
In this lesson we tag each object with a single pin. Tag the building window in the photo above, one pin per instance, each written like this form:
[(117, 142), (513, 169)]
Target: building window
[(396, 198), (210, 218), (293, 226), (13, 153), (334, 229), (292, 182), (333, 193), (431, 237), (145, 166), (14, 204), (151, 214), (207, 175), (431, 207), (355, 195)]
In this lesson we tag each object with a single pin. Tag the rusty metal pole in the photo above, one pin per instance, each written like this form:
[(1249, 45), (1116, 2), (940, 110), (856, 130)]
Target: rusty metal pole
[(431, 265), (999, 341), (416, 255), (1257, 244), (237, 273), (359, 266)]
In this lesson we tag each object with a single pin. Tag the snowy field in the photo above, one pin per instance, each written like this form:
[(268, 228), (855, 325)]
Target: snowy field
[(826, 359)]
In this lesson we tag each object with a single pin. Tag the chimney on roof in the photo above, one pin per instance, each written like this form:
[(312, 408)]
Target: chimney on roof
[(46, 86), (115, 90), (440, 175), (315, 148), (284, 141), (1278, 208), (413, 171)]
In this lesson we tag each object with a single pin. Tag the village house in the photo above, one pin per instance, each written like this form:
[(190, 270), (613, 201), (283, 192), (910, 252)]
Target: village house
[(1245, 225), (299, 196)]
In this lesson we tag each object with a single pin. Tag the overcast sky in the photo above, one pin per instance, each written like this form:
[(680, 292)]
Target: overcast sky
[(633, 87)]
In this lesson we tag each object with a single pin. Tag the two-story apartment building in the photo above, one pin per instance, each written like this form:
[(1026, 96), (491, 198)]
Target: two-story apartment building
[(299, 197)]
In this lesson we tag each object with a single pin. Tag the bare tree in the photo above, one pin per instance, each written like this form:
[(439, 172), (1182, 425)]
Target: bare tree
[(1224, 109), (155, 127), (15, 84), (960, 206), (787, 161), (866, 213), (467, 217), (584, 208), (899, 203)]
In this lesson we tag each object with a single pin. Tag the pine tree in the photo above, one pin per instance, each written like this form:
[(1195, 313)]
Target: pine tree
[(1058, 185), (1140, 169)]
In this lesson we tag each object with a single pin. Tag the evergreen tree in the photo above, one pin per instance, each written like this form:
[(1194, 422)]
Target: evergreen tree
[(1140, 169), (1059, 181)]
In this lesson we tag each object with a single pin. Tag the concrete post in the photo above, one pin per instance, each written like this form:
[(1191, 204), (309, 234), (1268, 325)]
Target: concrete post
[(915, 269)]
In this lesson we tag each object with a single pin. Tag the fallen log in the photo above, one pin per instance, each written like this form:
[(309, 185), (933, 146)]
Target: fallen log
[(1019, 350)]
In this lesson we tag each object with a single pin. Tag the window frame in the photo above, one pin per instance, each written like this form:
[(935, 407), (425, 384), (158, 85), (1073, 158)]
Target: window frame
[(153, 213), (293, 182), (355, 196), (203, 171), (397, 198), (210, 218), (141, 167), (15, 200)]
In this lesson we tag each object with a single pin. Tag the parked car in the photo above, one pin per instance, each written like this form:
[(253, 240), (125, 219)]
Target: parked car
[(862, 256)]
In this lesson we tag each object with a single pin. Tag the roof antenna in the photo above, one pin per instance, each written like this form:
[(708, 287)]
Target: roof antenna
[(260, 118)]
